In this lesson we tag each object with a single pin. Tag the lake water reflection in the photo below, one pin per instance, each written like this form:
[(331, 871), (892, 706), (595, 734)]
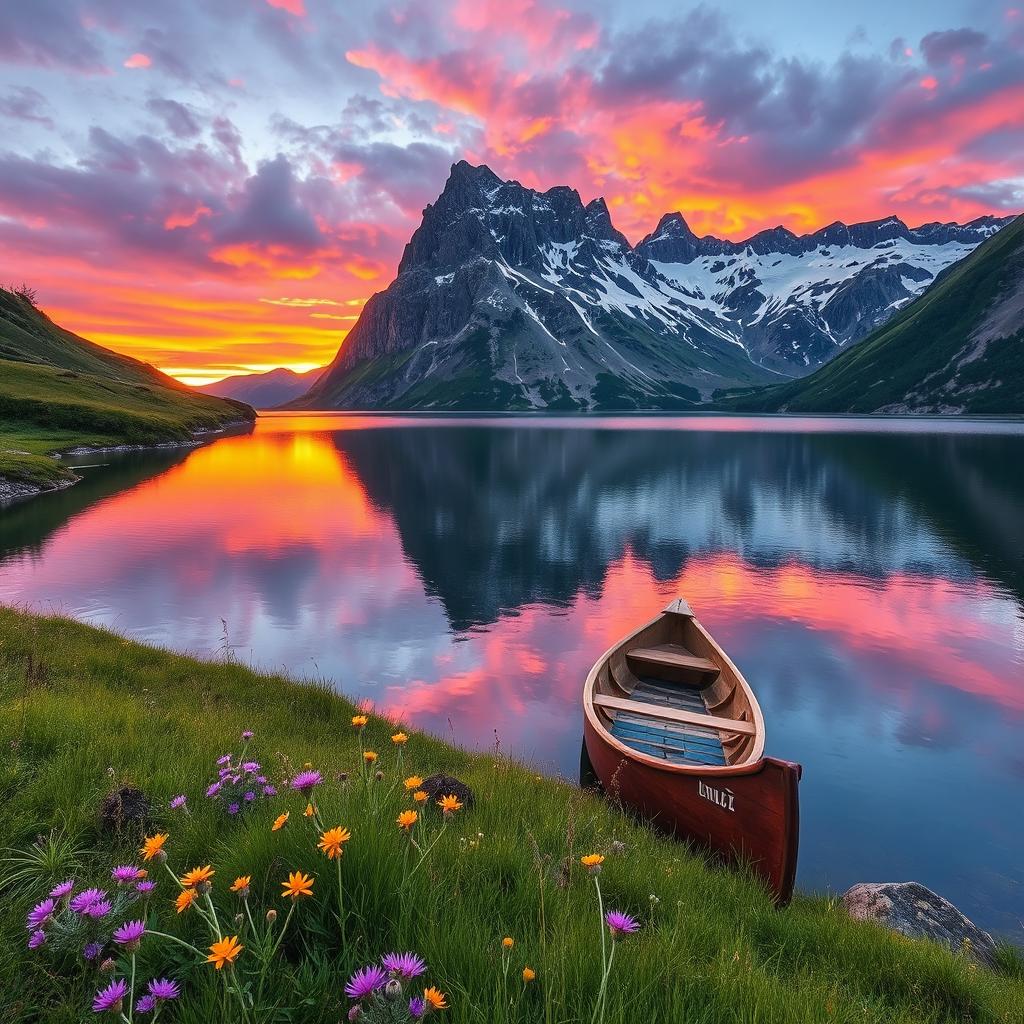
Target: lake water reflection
[(464, 575)]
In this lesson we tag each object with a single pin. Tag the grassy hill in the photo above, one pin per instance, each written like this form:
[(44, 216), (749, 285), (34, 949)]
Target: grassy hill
[(58, 391), (958, 348)]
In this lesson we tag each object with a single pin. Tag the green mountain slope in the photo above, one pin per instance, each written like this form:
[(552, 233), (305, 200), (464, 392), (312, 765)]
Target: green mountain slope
[(58, 391), (959, 348)]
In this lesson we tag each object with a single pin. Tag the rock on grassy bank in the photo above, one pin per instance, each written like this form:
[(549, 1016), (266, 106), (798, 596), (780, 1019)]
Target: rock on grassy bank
[(84, 713)]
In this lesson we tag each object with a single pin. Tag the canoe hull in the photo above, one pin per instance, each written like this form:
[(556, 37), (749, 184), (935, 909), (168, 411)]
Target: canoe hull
[(744, 814)]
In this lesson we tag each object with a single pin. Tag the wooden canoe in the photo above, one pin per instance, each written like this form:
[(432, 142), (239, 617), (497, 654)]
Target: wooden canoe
[(674, 731)]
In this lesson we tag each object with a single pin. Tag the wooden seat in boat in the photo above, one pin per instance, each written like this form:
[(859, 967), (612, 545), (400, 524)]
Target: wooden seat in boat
[(642, 708), (670, 656)]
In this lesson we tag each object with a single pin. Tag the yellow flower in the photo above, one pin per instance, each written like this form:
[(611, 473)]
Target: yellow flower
[(528, 974), (369, 756), (399, 739), (434, 997), (508, 942), (420, 795), (359, 721), (185, 900), (280, 821), (309, 811), (297, 885), (197, 876), (407, 819), (450, 804), (241, 883), (332, 841), (152, 845), (592, 862), (413, 782), (224, 951)]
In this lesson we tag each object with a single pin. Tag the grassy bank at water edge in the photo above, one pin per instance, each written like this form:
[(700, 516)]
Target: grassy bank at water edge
[(84, 713)]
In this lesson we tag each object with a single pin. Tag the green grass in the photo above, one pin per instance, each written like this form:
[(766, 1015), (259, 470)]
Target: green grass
[(83, 711)]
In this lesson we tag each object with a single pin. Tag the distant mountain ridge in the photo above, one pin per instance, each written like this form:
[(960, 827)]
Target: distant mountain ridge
[(509, 298), (264, 390)]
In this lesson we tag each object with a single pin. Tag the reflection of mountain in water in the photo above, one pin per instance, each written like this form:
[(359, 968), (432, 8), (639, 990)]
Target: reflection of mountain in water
[(495, 518)]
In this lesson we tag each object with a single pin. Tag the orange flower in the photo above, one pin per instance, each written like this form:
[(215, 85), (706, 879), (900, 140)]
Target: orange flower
[(420, 795), (407, 819), (413, 782), (297, 885), (332, 841), (369, 756), (224, 952), (450, 804), (508, 942), (241, 884), (309, 811), (528, 974), (592, 862), (152, 845), (197, 876), (434, 997), (142, 873), (185, 900), (399, 739), (280, 821), (359, 721)]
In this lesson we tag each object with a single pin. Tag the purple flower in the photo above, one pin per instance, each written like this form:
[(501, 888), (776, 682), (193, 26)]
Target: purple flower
[(58, 892), (92, 951), (251, 767), (247, 735), (109, 999), (214, 789), (97, 910), (269, 791), (177, 801), (225, 759), (164, 988), (36, 939), (130, 933), (124, 873), (236, 779), (250, 796), (620, 924), (417, 1008), (85, 899), (38, 915), (144, 1004), (261, 779), (233, 808), (365, 981), (305, 781), (404, 965), (146, 886)]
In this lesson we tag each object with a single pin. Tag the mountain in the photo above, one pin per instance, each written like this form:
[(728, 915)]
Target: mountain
[(264, 390), (959, 348), (509, 298), (58, 391)]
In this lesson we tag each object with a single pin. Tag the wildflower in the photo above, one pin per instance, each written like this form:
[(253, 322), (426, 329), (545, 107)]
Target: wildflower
[(280, 821), (163, 989), (214, 789), (185, 900), (309, 811), (528, 975), (305, 781), (249, 797), (145, 1004), (297, 885), (269, 791), (40, 914), (177, 802), (434, 998), (241, 884), (620, 924), (393, 990), (508, 942), (405, 966), (224, 951), (271, 915), (332, 840), (98, 909), (407, 819), (247, 734), (359, 721), (449, 804), (234, 808), (417, 1008), (413, 782), (80, 903), (399, 739), (198, 877), (130, 934), (109, 999), (366, 981), (108, 966), (92, 951), (592, 862), (153, 845), (251, 767), (124, 873), (36, 939), (420, 796), (58, 892), (369, 756), (145, 886)]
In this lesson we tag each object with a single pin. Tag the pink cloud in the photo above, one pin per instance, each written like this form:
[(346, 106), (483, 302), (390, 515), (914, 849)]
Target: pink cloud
[(138, 60), (295, 7)]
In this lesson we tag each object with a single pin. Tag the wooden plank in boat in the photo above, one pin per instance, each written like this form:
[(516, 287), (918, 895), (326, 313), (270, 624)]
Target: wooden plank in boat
[(671, 656), (674, 714), (679, 607)]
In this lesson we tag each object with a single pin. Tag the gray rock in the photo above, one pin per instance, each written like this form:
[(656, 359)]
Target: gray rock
[(915, 911)]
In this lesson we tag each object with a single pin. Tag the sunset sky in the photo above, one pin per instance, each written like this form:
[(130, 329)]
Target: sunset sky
[(217, 186)]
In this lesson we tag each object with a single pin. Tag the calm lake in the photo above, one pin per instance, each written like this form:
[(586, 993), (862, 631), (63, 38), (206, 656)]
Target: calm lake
[(464, 574)]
